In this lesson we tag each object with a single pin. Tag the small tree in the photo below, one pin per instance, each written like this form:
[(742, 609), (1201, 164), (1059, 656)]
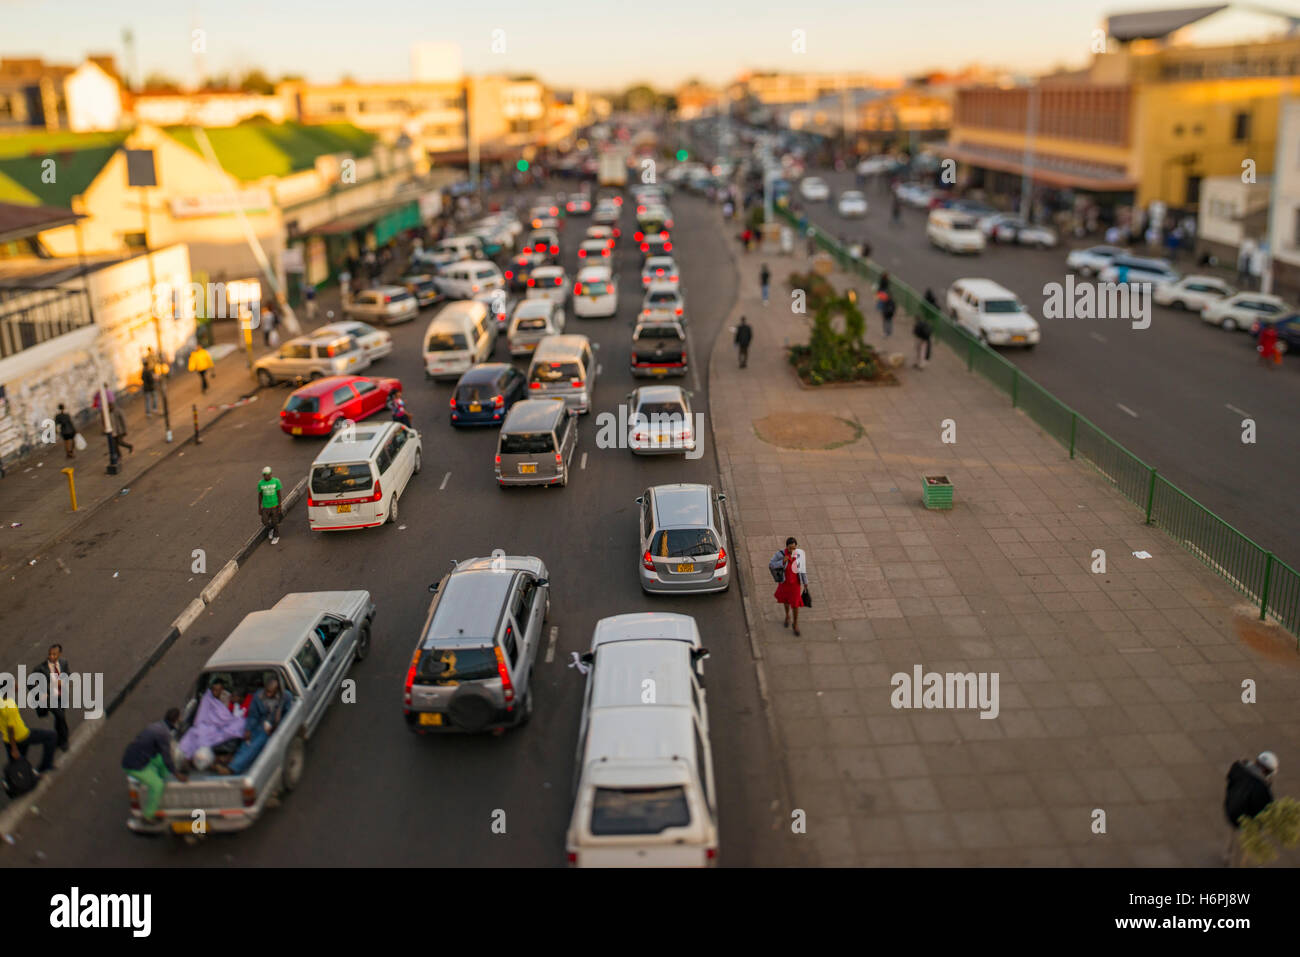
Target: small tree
[(1277, 824)]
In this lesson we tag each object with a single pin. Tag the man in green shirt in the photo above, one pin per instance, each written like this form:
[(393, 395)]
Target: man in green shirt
[(268, 503)]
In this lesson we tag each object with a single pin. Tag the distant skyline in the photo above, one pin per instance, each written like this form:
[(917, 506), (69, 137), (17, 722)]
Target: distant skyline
[(564, 43)]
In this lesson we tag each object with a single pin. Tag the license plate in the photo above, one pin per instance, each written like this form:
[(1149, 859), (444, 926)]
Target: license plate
[(685, 568), (182, 827), (659, 370), (661, 438), (593, 298), (297, 430), (530, 346), (430, 717), (475, 407), (1017, 338), (527, 469), (343, 508)]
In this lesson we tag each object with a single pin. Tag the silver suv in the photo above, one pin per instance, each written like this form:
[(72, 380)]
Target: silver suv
[(312, 357), (473, 665)]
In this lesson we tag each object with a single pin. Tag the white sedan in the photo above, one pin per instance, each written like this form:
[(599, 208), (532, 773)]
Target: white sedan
[(1192, 292), (852, 204), (1092, 260), (548, 282), (1240, 312), (814, 189), (659, 269)]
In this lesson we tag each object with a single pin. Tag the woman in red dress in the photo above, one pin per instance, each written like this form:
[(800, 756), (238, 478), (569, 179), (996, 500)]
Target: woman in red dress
[(790, 592)]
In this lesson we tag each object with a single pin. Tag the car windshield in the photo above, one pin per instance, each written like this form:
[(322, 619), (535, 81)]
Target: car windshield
[(335, 479), (302, 403), (616, 811), (674, 409), (962, 224), (446, 342), (683, 543), (661, 298), (399, 297), (453, 665), (1001, 305), (526, 443), (554, 371)]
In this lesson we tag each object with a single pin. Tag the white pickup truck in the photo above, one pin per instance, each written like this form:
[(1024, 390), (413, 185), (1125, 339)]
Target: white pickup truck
[(309, 640)]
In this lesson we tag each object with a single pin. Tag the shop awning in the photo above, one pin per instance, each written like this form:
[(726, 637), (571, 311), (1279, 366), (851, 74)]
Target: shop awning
[(358, 219), (1049, 169)]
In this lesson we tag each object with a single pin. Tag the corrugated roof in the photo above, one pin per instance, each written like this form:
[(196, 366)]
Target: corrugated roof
[(1155, 24), (258, 148), (19, 221), (78, 159)]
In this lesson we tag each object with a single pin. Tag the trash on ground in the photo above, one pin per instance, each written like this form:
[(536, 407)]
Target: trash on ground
[(1142, 554)]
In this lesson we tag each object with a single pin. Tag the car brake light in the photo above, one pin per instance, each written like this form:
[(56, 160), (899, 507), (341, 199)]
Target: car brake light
[(135, 803), (555, 250), (582, 254), (528, 250), (387, 299), (534, 385), (377, 494), (711, 854), (679, 310), (645, 280), (604, 252), (645, 247), (618, 200), (510, 274), (640, 210), (683, 359), (668, 247), (453, 402), (722, 559), (498, 401), (410, 678), (647, 562), (473, 288), (659, 272), (573, 858), (559, 458), (506, 686), (559, 280), (250, 796), (554, 211), (498, 459), (638, 235), (672, 278), (577, 289), (576, 383), (532, 282)]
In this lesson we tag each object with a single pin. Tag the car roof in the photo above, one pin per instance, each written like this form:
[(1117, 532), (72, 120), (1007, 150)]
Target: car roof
[(454, 313), (328, 384), (651, 261), (660, 393), (534, 415), (274, 634), (984, 288), (483, 372), (386, 290), (548, 271), (685, 505), (590, 273), (646, 625), (534, 308), (562, 345), (659, 324), (353, 445), (623, 666), (470, 604), (663, 285)]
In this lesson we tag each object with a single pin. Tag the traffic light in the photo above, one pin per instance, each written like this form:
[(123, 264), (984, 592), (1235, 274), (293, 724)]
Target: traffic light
[(682, 156), (522, 165)]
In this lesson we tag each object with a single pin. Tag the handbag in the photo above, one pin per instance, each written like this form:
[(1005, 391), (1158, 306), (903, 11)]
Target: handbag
[(19, 777), (806, 598), (79, 441)]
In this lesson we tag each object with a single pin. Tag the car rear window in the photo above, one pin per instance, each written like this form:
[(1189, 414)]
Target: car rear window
[(530, 325), (446, 342), (526, 443), (616, 811), (302, 403), (683, 543), (336, 479), (554, 371), (660, 331), (400, 297), (597, 288), (1001, 305), (441, 666), (659, 298), (673, 409)]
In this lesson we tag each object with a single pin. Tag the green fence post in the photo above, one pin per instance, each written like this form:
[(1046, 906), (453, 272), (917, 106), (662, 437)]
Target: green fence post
[(1074, 424), (1151, 494), (1015, 387), (1263, 592)]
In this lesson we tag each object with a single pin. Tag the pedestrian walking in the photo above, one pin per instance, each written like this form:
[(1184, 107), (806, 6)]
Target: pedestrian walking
[(764, 280), (812, 242), (1245, 254), (18, 737), (887, 309), (148, 758), (149, 384), (399, 410), (269, 491), (882, 292), (1250, 791), (119, 426), (67, 432), (896, 211), (744, 336), (268, 325), (201, 362), (55, 670), (1268, 351), (790, 592), (922, 334)]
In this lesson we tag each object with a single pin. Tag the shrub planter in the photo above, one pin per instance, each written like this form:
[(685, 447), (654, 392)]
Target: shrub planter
[(936, 491)]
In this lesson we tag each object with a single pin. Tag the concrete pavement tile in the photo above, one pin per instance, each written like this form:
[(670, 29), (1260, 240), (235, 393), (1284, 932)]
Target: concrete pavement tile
[(881, 835), (911, 795), (1075, 823), (1062, 722), (812, 767), (965, 625), (891, 729), (833, 677), (790, 705), (980, 829), (1151, 717), (857, 764), (1089, 694), (1128, 690), (962, 792), (1130, 750), (823, 653), (785, 653), (902, 761), (1111, 666), (1045, 694), (1026, 857), (799, 733), (832, 838), (836, 704), (846, 732), (1170, 689), (929, 832), (1155, 784), (1021, 724), (1030, 827), (1105, 786)]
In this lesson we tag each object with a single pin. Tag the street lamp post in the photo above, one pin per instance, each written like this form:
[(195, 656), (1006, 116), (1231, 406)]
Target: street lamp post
[(1027, 178)]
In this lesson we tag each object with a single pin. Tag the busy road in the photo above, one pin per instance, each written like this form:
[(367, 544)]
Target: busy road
[(373, 793)]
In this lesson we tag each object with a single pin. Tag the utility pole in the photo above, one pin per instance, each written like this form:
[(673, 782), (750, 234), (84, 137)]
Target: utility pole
[(471, 131), (1284, 124), (141, 173), (1027, 177)]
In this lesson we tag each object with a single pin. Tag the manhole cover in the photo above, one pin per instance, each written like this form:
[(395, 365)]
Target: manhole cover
[(809, 430)]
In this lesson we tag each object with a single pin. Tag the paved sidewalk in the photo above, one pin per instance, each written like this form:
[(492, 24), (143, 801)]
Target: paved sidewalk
[(1118, 691)]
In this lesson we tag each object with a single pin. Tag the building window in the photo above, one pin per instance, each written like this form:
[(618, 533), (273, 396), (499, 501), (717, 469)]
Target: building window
[(1241, 127), (1178, 130), (1193, 190), (1198, 129)]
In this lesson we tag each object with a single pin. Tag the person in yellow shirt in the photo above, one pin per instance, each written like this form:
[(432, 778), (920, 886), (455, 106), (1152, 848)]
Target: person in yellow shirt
[(201, 362), (18, 737)]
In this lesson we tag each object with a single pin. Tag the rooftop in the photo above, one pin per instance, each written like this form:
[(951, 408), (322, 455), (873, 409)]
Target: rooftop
[(258, 148)]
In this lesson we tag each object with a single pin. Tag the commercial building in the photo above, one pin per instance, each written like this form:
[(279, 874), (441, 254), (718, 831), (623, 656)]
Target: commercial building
[(1149, 120)]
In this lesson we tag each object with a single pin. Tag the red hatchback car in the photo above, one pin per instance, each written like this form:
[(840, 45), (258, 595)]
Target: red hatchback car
[(316, 407)]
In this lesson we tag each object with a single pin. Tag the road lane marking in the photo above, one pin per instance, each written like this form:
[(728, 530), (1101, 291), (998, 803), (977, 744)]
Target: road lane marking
[(1097, 336), (1127, 409), (583, 463), (201, 494), (1233, 408), (550, 645), (599, 368), (445, 479)]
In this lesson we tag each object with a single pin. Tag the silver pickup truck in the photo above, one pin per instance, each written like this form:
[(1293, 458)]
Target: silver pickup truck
[(309, 640)]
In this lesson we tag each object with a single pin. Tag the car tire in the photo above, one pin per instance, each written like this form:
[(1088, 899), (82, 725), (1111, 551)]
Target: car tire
[(1228, 325), (315, 375), (265, 379), (363, 643), (525, 708), (392, 512), (295, 763), (564, 478), (471, 708), (417, 462)]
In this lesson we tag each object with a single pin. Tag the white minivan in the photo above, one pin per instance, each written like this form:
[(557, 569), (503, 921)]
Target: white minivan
[(470, 278), (954, 231), (461, 335), (463, 247), (358, 477), (991, 313), (595, 293), (644, 795)]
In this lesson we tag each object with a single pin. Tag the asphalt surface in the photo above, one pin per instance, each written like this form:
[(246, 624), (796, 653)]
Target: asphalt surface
[(1174, 394), (373, 793)]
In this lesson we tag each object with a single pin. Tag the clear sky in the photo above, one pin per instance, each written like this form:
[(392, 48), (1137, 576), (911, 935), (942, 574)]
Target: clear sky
[(595, 44)]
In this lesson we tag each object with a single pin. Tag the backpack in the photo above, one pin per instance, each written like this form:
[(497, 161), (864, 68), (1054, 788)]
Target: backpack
[(777, 567), (19, 777)]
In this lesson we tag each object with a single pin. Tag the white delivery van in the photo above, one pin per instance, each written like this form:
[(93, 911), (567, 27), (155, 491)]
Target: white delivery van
[(461, 335), (470, 278)]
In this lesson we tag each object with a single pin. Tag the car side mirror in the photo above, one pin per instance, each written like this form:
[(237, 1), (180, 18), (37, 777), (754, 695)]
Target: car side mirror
[(543, 582), (433, 588), (722, 497), (640, 499), (699, 653), (587, 658), (349, 623)]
